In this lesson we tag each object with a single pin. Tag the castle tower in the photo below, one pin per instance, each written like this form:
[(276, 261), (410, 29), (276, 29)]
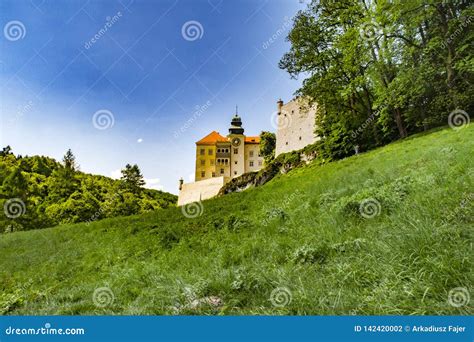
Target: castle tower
[(295, 125), (237, 140), (219, 159)]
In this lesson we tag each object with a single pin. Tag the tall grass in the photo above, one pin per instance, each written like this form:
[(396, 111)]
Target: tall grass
[(297, 245)]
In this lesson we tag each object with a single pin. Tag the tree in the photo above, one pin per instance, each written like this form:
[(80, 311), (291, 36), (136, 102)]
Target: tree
[(63, 181), (267, 146), (132, 179), (15, 185), (6, 151), (391, 67), (69, 161)]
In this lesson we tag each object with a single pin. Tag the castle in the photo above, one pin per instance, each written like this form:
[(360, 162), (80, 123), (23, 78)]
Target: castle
[(228, 157), (295, 125), (221, 158)]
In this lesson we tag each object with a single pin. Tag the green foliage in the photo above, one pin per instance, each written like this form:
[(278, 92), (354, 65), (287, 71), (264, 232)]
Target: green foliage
[(381, 70), (132, 179), (267, 146), (404, 261), (50, 193), (310, 255)]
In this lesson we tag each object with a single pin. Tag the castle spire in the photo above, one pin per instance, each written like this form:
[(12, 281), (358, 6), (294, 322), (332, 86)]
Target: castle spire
[(236, 124)]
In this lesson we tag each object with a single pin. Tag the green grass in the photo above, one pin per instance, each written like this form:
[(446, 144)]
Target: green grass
[(302, 231)]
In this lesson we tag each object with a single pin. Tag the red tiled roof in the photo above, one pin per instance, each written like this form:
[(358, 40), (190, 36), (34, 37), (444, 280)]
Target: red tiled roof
[(211, 139), (214, 137), (252, 140)]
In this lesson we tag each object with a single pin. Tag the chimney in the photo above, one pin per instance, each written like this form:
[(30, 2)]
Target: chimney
[(279, 105), (181, 181)]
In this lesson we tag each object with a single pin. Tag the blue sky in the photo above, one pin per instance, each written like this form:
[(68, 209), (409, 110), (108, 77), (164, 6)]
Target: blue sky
[(159, 74)]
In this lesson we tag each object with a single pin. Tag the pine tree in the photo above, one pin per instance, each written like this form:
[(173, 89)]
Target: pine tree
[(132, 179), (69, 161)]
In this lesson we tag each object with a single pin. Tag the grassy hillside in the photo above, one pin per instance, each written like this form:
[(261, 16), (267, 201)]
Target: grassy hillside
[(301, 244)]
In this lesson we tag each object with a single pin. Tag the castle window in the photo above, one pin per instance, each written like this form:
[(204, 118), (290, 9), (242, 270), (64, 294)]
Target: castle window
[(286, 143), (210, 151), (218, 150), (203, 174), (235, 172), (235, 162), (226, 161), (251, 163), (292, 112), (212, 162), (236, 151), (251, 153), (226, 150), (300, 138), (222, 171), (203, 151), (203, 162), (259, 163), (213, 174)]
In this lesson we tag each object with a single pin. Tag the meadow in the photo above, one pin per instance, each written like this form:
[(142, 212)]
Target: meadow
[(384, 232)]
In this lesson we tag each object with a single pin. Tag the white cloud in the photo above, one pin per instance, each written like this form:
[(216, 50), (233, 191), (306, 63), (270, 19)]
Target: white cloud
[(153, 183), (150, 183), (139, 140), (116, 174)]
